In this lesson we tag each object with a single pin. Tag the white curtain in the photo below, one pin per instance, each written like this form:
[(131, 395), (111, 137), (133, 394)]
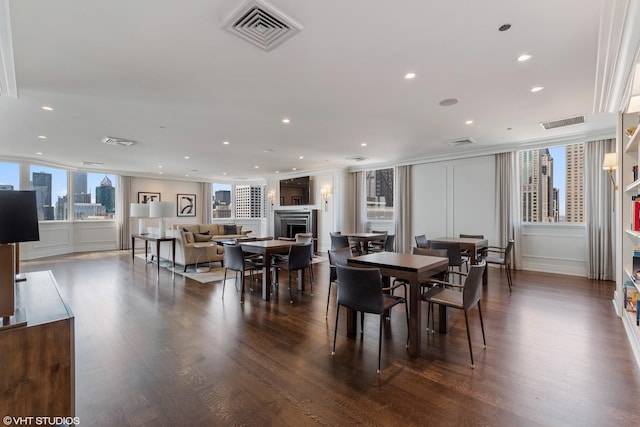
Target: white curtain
[(207, 202), (507, 215), (123, 209), (598, 209), (402, 208), (360, 209)]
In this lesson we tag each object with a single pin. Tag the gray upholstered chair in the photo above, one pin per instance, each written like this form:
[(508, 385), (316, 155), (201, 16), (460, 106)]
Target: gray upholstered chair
[(235, 261), (336, 256), (465, 300), (421, 241), (361, 289), (466, 256), (501, 257), (298, 259)]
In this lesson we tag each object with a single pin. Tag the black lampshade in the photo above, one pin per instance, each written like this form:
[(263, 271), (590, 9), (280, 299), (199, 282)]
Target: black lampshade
[(18, 217)]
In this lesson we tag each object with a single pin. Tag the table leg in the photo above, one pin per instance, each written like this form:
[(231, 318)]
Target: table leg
[(173, 255), (415, 318), (133, 249), (443, 319), (266, 278), (352, 321)]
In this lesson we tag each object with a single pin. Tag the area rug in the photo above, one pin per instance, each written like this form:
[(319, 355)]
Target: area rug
[(215, 274)]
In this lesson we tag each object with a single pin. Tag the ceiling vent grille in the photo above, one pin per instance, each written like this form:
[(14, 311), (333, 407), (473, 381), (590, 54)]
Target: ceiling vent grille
[(357, 159), (110, 140), (261, 25), (461, 141), (562, 122)]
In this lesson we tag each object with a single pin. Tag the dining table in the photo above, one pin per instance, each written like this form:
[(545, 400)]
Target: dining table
[(414, 269), (363, 239), (268, 248), (472, 246)]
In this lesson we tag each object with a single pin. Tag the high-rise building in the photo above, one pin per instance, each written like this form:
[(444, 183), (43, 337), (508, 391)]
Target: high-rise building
[(106, 195), (41, 184), (574, 202), (539, 200), (222, 197), (250, 201), (80, 193), (6, 187)]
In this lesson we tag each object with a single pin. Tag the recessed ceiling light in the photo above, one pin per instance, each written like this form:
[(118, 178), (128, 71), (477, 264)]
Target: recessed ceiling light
[(468, 122), (410, 76), (537, 88), (277, 171), (524, 57), (225, 142), (256, 167), (301, 157), (42, 136), (448, 102), (363, 144), (160, 166), (186, 175), (47, 108), (186, 157), (224, 173), (39, 153), (504, 27), (286, 121), (160, 173), (295, 169)]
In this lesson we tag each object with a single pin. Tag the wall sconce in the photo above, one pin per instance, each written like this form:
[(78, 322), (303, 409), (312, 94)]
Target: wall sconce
[(272, 198), (610, 163), (325, 193)]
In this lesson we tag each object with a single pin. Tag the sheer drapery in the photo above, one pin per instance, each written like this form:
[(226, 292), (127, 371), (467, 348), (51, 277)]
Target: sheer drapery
[(360, 209), (207, 202), (402, 207), (598, 207), (507, 216), (123, 210)]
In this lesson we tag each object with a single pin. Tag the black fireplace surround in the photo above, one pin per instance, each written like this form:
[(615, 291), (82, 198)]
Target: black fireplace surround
[(286, 223)]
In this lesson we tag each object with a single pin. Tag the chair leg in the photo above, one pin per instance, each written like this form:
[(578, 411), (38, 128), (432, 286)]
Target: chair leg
[(406, 311), (335, 331), (380, 341), (290, 292), (362, 323), (484, 341), (224, 282), (326, 316), (508, 269), (466, 321), (311, 278)]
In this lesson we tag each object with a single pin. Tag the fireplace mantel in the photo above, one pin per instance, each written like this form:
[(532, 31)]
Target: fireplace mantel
[(286, 223)]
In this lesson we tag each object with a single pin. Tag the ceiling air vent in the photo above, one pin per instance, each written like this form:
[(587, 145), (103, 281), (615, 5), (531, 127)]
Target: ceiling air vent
[(261, 25), (562, 122), (118, 141), (357, 159), (461, 141)]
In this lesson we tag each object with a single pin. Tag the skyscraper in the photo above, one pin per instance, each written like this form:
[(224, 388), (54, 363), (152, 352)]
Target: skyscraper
[(41, 184), (539, 199), (574, 202), (80, 194), (106, 196), (250, 201)]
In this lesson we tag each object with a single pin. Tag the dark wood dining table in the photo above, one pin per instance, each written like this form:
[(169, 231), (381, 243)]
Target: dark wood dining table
[(412, 268), (472, 246), (363, 239), (267, 248)]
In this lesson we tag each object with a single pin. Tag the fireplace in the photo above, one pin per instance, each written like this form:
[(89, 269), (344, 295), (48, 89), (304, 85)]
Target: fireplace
[(288, 223)]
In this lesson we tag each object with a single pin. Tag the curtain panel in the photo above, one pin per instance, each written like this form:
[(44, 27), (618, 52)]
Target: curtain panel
[(402, 208), (123, 211), (508, 217)]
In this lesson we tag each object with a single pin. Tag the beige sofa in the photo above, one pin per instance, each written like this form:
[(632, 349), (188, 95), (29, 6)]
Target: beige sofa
[(189, 234)]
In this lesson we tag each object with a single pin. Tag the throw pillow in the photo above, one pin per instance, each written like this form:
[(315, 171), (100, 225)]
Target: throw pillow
[(202, 237), (188, 237), (230, 229)]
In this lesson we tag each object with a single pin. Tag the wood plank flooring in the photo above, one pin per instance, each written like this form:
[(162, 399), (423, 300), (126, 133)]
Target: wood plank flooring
[(168, 351)]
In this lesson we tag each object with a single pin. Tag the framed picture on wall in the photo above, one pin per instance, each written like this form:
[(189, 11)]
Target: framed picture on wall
[(146, 197), (186, 204)]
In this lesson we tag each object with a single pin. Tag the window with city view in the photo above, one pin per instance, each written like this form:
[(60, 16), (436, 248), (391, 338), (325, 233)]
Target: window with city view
[(50, 185), (9, 176), (240, 201), (551, 184), (379, 193), (94, 196)]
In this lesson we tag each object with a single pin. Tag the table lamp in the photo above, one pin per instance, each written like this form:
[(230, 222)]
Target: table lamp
[(140, 211), (18, 223), (161, 210)]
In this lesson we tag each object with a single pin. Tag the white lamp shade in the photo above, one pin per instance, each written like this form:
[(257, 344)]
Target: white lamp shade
[(139, 210), (610, 161), (161, 209)]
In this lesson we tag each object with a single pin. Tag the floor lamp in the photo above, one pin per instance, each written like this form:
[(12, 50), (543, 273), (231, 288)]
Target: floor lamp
[(161, 210), (18, 223)]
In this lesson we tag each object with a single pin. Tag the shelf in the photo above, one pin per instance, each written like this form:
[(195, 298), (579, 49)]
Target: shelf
[(632, 279), (633, 186), (632, 232), (632, 144)]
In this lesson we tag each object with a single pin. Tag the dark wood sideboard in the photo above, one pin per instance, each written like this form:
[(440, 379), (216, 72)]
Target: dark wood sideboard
[(37, 360)]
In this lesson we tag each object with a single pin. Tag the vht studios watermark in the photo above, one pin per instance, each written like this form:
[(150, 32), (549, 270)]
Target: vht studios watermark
[(40, 421)]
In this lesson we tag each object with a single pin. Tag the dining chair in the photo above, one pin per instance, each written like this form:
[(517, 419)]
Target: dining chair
[(235, 261), (298, 259), (421, 241), (378, 245), (466, 256), (337, 256), (454, 253), (361, 289), (502, 257), (388, 245), (465, 300), (339, 241)]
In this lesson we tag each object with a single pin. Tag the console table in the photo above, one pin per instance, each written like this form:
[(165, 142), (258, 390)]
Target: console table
[(157, 239), (38, 360)]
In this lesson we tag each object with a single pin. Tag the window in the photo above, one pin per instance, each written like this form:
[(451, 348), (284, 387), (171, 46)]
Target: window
[(239, 201), (50, 185), (9, 176), (222, 207), (379, 194), (94, 196), (551, 184)]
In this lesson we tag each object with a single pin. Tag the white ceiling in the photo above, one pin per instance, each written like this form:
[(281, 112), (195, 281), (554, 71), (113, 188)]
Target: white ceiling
[(166, 74)]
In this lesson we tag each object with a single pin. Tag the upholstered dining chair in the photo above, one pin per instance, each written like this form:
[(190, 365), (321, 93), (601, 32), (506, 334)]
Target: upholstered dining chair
[(235, 261), (454, 253), (502, 257), (465, 300), (336, 256), (378, 245), (388, 245), (361, 289), (298, 259), (466, 256), (339, 241), (421, 241)]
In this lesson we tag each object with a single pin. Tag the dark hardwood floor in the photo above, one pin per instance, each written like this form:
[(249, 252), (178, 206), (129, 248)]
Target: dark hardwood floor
[(171, 352)]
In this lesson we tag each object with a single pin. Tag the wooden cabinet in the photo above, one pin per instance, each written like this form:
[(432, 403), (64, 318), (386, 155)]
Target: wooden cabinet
[(37, 360)]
